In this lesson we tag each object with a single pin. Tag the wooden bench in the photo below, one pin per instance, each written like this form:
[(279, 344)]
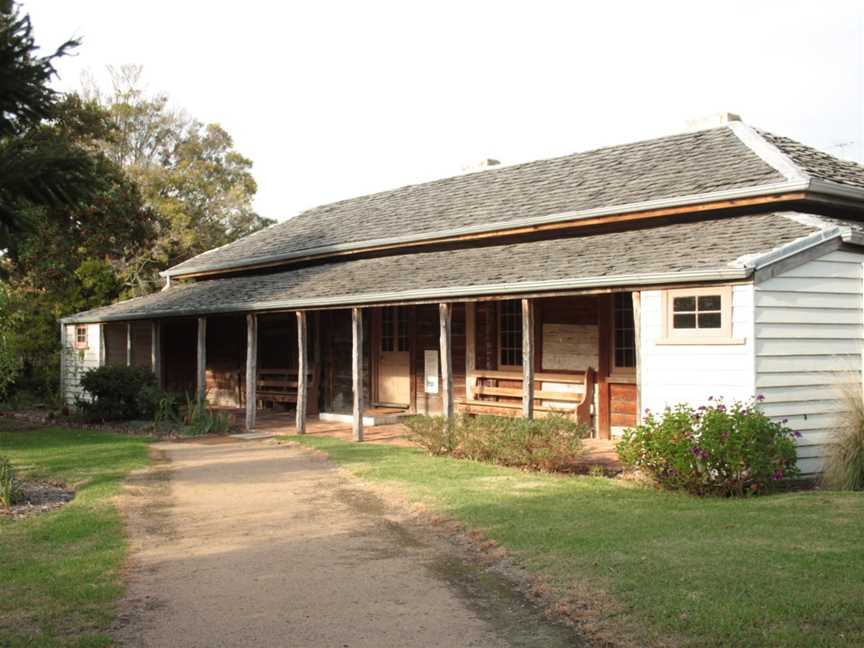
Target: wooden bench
[(500, 393), (279, 385)]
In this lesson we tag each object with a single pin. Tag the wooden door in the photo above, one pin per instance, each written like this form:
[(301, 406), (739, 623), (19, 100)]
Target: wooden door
[(394, 357)]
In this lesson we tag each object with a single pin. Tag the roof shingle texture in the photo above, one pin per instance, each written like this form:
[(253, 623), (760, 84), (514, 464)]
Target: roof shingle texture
[(817, 164), (701, 245), (679, 165)]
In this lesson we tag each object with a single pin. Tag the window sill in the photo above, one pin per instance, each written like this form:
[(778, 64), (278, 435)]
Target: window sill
[(699, 340)]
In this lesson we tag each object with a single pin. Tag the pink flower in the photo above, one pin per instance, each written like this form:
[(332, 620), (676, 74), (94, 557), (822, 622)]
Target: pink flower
[(760, 398)]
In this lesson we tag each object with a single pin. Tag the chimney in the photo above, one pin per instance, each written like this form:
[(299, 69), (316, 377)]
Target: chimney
[(482, 165), (712, 121)]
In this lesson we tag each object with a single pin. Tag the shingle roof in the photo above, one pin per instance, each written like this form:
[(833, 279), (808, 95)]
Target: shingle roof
[(818, 164), (670, 250), (687, 164)]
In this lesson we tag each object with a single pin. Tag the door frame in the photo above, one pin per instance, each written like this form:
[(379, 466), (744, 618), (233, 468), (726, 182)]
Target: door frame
[(375, 350)]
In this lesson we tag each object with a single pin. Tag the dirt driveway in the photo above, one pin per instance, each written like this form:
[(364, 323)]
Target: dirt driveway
[(258, 544)]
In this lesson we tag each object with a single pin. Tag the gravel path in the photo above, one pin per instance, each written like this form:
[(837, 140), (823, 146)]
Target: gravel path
[(258, 544)]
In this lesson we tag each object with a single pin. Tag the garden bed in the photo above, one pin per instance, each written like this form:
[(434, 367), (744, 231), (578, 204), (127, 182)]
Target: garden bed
[(39, 497)]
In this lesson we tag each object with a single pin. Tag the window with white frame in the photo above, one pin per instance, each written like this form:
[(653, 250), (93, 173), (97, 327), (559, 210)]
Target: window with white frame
[(81, 336), (698, 316)]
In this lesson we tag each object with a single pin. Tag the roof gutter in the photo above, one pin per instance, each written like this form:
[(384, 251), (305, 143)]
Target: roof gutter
[(562, 217), (455, 293)]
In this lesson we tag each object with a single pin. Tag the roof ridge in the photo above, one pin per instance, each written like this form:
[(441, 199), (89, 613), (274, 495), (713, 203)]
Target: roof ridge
[(753, 139)]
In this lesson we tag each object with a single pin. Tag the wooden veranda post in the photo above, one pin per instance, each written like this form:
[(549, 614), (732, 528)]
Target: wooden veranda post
[(63, 362), (637, 335), (201, 361), (156, 351), (528, 358), (357, 371), (444, 320), (302, 382), (101, 345), (128, 344), (470, 348), (251, 370)]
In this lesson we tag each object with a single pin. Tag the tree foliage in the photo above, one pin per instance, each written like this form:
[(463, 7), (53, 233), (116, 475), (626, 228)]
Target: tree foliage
[(34, 170), (98, 192), (188, 172)]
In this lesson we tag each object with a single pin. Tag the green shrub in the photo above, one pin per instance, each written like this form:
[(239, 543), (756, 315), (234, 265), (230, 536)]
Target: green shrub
[(201, 420), (10, 488), (437, 435), (549, 444), (118, 393), (844, 463), (712, 450), (166, 407)]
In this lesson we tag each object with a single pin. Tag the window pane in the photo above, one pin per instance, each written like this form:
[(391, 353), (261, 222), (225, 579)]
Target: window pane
[(684, 321), (684, 304), (709, 302), (709, 320)]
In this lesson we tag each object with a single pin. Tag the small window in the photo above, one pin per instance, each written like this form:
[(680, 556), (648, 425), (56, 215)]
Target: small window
[(698, 316), (510, 334), (625, 332), (81, 336)]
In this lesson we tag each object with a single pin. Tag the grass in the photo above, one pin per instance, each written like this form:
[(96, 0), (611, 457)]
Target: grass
[(779, 570), (60, 571)]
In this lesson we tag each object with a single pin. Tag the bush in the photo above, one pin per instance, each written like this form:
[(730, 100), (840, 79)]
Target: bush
[(549, 444), (844, 463), (118, 393), (10, 488), (201, 420), (715, 450)]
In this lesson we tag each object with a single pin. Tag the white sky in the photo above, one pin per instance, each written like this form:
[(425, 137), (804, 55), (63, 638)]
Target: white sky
[(337, 99)]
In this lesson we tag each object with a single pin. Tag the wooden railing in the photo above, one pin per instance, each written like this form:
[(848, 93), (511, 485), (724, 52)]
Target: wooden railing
[(500, 393)]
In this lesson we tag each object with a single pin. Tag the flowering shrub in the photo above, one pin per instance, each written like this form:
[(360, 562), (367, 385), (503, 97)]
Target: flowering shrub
[(712, 450), (549, 444)]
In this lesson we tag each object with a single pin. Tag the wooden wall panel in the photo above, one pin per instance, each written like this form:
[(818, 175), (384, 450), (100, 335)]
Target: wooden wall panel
[(226, 360), (115, 344), (178, 355), (622, 404)]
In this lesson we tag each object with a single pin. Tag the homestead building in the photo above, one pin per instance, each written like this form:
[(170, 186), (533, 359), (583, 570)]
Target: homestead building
[(720, 262)]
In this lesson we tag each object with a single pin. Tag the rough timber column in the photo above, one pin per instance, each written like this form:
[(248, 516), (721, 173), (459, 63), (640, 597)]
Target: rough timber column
[(156, 350), (357, 371), (251, 369), (128, 344), (444, 318), (201, 361), (302, 382), (470, 347), (63, 343), (101, 345), (528, 358)]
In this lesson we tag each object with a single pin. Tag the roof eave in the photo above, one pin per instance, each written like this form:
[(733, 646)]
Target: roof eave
[(454, 293)]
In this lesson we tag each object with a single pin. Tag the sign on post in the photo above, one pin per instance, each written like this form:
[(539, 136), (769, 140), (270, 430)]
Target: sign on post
[(430, 357)]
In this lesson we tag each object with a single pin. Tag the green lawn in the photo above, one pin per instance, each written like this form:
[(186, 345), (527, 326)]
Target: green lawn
[(60, 571), (778, 570)]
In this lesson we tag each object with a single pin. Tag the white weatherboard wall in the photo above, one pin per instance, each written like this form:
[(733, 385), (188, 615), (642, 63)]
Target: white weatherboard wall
[(808, 346), (77, 361), (691, 373)]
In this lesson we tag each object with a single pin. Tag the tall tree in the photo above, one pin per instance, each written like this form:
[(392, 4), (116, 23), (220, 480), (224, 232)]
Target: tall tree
[(33, 170), (188, 172), (72, 257)]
